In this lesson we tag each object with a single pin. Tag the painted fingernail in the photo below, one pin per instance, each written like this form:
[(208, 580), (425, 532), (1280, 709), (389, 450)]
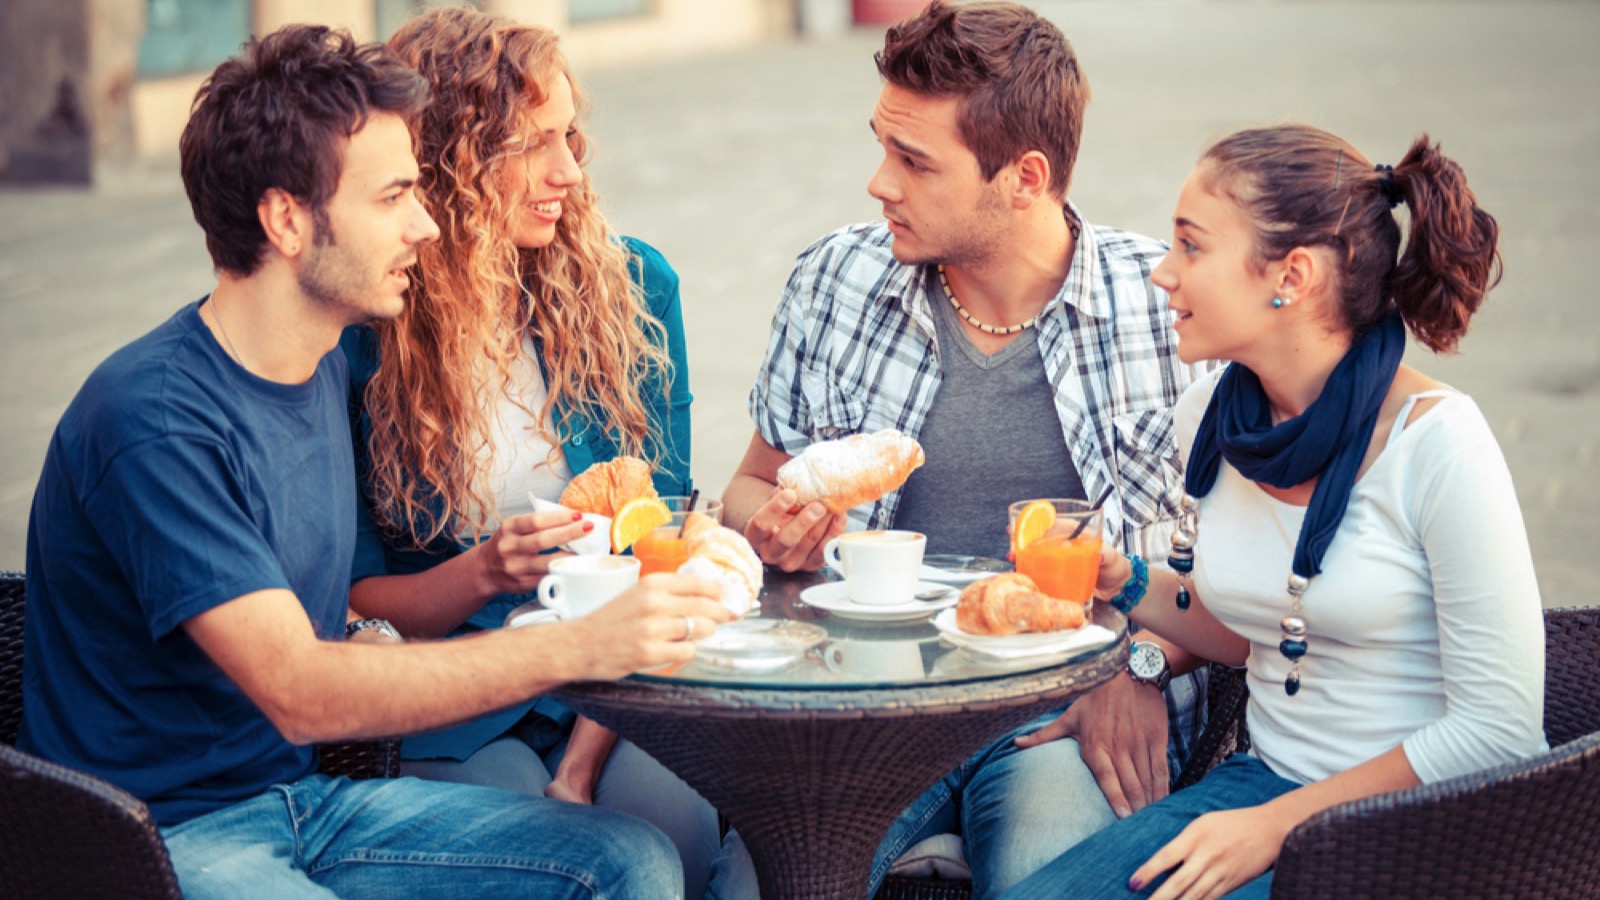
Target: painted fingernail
[(588, 527), (1135, 883), (576, 516)]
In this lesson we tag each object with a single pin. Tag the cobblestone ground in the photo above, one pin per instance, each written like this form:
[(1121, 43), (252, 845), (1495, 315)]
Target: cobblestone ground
[(732, 164)]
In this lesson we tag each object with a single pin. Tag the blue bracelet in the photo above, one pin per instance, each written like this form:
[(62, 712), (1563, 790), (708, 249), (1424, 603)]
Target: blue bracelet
[(1132, 589)]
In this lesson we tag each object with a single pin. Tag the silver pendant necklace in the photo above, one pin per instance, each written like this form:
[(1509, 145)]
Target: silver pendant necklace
[(1293, 644), (216, 316)]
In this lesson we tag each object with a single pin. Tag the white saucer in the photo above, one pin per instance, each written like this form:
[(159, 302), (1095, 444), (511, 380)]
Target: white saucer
[(835, 598), (1018, 646), (953, 568)]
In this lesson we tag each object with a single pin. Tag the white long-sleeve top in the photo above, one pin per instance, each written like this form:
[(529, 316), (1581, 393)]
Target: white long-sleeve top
[(1425, 624)]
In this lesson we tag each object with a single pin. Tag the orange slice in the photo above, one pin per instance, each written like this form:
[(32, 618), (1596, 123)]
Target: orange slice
[(637, 518), (1035, 519)]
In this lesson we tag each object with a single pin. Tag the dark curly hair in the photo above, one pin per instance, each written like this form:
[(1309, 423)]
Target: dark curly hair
[(277, 116)]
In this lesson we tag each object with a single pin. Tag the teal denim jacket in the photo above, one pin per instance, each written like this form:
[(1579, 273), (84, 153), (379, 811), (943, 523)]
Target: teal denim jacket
[(584, 443)]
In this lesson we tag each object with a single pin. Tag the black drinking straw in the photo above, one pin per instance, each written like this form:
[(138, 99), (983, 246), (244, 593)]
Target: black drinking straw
[(694, 497), (1085, 522)]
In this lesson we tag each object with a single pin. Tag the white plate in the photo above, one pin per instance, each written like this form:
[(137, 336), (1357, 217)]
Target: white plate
[(758, 644), (956, 569), (1017, 646), (835, 598)]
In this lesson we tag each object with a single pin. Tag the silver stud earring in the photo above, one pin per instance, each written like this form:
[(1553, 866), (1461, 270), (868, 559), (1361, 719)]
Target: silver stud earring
[(1281, 302)]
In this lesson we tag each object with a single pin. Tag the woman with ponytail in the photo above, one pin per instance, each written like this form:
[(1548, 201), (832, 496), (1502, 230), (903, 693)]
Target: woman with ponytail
[(1352, 538), (534, 342)]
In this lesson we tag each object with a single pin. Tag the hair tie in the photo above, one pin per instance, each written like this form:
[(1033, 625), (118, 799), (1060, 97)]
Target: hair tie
[(1390, 187)]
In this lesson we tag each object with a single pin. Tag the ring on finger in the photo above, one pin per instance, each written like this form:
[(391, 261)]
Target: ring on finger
[(688, 628)]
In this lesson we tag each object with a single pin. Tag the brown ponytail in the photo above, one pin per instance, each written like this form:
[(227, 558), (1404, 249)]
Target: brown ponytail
[(1305, 187), (1451, 258)]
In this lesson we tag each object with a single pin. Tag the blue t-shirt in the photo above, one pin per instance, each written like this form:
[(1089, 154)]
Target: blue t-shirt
[(175, 482)]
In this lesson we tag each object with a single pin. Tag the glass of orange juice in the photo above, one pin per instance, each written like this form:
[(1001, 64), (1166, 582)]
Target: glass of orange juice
[(663, 550), (1057, 544)]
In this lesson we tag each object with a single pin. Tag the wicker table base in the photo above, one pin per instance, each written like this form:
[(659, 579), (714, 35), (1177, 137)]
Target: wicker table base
[(812, 779)]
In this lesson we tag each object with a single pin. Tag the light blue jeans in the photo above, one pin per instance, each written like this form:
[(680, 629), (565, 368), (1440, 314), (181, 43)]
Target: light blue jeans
[(405, 837), (631, 782), (1102, 864), (1017, 810)]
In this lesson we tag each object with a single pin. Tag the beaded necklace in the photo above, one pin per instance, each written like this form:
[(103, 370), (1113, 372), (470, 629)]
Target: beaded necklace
[(981, 326), (1293, 643)]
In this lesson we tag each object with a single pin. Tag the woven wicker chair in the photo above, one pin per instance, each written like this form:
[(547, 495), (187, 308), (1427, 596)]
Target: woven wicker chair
[(68, 834), (1525, 829), (1519, 830), (1224, 735)]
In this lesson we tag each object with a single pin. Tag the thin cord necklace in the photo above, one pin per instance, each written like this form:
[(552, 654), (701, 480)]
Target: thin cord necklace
[(216, 317), (981, 326)]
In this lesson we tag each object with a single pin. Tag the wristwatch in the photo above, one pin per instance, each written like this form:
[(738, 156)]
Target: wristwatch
[(381, 626), (1147, 664)]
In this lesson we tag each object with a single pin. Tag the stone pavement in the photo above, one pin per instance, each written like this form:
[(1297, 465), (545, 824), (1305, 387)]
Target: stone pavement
[(732, 164)]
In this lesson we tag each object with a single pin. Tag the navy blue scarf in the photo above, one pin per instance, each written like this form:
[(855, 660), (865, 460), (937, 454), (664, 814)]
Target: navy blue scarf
[(1328, 440)]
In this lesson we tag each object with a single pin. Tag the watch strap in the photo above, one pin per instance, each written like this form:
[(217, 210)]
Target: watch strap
[(381, 626)]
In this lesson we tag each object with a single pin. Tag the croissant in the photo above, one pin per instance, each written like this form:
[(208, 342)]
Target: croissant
[(603, 488), (1012, 603), (723, 555), (848, 472)]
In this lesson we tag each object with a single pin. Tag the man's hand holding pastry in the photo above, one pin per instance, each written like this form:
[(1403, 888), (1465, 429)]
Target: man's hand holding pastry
[(791, 536), (813, 493)]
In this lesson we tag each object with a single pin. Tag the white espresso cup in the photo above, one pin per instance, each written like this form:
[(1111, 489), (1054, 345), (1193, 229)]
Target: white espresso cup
[(579, 585), (879, 567)]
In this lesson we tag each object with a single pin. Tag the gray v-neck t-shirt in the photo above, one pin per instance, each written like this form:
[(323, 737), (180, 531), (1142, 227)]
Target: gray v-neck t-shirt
[(992, 437)]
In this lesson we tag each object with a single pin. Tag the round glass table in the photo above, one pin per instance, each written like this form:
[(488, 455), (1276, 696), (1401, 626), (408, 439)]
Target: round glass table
[(812, 749)]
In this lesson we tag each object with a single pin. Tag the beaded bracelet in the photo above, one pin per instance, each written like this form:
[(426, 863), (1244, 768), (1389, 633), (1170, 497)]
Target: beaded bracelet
[(1132, 589)]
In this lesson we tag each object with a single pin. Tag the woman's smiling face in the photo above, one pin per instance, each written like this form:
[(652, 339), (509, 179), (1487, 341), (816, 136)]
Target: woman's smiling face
[(1222, 296), (538, 177)]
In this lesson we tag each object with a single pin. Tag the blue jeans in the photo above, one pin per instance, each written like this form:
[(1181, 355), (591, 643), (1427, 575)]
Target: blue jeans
[(1102, 864), (333, 837), (1015, 809), (1018, 809), (631, 782)]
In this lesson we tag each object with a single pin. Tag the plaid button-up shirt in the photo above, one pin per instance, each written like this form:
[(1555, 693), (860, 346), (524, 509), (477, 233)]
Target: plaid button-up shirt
[(854, 349)]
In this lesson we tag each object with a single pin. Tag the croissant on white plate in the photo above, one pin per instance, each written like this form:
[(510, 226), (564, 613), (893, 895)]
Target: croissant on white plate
[(723, 555), (1011, 604), (848, 472)]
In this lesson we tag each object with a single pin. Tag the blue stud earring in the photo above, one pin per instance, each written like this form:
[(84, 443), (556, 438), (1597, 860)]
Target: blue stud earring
[(1281, 302)]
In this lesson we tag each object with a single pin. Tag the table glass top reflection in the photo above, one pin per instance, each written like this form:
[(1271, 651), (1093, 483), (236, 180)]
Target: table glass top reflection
[(808, 635)]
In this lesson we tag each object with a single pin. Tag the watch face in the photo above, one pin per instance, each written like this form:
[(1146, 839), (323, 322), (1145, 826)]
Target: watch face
[(1146, 660)]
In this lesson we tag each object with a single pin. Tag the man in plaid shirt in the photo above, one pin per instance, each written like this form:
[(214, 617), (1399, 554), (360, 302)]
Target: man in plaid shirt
[(1030, 355)]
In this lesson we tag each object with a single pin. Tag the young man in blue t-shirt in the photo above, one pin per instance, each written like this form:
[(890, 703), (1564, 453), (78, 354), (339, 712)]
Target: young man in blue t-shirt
[(190, 542)]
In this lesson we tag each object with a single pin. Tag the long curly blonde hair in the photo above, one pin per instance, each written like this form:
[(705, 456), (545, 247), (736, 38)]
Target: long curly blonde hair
[(448, 358)]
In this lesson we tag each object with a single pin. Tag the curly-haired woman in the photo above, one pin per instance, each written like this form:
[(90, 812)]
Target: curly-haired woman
[(534, 343)]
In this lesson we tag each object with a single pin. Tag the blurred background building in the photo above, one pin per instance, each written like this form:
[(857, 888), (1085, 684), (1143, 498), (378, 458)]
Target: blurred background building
[(732, 133), (89, 86)]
